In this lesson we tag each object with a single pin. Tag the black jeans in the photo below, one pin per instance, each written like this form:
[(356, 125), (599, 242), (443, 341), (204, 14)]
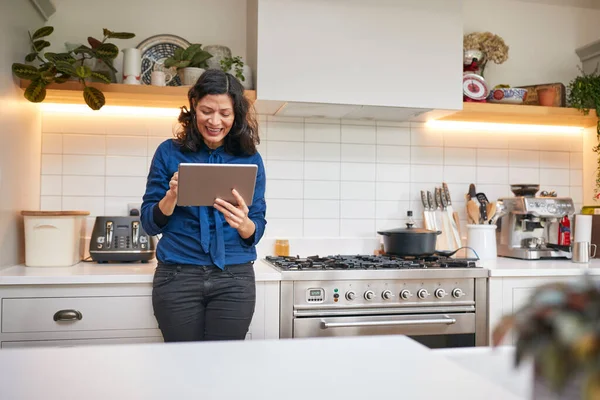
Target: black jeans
[(194, 302)]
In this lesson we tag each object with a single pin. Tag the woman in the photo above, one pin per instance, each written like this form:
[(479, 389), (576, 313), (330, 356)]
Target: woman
[(203, 287)]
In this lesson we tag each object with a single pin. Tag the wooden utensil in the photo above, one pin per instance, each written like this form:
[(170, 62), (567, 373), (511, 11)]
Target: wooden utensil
[(473, 212), (491, 211)]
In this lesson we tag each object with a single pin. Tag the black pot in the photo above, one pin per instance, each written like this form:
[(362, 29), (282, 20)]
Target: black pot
[(409, 241)]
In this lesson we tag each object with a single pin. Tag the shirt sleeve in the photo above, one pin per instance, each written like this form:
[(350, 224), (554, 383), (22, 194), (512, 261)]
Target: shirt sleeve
[(258, 209), (157, 186)]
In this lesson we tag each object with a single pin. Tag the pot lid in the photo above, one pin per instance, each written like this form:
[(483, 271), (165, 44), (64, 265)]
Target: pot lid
[(408, 229)]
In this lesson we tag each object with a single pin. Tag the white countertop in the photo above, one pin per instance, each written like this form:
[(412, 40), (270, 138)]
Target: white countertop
[(91, 272), (348, 368), (509, 267)]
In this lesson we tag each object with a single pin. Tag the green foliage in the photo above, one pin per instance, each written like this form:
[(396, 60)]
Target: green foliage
[(584, 94), (60, 67), (193, 56), (235, 63)]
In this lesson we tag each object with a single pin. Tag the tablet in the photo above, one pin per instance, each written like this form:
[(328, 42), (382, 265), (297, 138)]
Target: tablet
[(201, 184)]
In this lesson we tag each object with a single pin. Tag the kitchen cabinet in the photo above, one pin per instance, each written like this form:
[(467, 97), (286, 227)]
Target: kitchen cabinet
[(96, 314), (508, 294)]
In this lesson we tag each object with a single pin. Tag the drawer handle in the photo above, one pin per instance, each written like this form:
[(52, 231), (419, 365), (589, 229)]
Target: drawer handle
[(68, 315)]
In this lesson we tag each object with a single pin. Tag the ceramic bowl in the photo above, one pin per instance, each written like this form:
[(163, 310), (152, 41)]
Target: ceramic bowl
[(510, 95)]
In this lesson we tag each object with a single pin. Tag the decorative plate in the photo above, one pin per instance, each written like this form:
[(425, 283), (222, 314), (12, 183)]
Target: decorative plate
[(474, 87), (155, 50)]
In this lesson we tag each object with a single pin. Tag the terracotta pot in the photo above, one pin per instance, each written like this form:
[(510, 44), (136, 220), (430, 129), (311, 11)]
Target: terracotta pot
[(546, 96)]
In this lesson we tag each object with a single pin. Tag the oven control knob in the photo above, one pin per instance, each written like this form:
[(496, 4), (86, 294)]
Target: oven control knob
[(369, 294), (458, 293), (405, 294), (422, 294), (440, 293), (387, 294), (350, 295)]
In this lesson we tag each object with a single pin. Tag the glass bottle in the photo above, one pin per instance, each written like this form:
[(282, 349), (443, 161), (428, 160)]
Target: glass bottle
[(282, 248)]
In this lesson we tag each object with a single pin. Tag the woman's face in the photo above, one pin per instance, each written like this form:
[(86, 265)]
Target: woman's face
[(214, 118)]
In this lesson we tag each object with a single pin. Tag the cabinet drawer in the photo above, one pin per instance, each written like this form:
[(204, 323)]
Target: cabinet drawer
[(77, 342), (77, 314)]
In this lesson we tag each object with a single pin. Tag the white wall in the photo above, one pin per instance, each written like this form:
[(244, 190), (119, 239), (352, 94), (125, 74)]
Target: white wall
[(198, 21), (19, 131), (542, 38)]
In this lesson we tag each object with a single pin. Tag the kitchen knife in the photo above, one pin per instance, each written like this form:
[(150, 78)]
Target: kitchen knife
[(426, 209), (432, 208), (443, 238), (449, 235), (450, 211)]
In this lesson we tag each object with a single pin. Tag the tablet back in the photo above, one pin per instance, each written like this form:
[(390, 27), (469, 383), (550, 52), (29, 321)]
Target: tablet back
[(201, 184)]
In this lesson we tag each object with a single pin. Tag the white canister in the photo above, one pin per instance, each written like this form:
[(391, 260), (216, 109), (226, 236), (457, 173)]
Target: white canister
[(482, 239), (132, 66)]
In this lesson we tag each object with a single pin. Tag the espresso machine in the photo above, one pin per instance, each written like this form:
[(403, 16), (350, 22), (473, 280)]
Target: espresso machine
[(528, 227)]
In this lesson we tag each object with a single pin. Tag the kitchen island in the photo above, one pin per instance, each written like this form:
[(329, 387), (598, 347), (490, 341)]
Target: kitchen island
[(349, 368)]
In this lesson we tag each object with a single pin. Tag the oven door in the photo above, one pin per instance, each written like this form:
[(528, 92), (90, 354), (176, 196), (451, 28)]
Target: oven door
[(432, 330)]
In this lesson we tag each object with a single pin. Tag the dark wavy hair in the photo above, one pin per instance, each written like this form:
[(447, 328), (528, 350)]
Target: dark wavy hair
[(243, 138)]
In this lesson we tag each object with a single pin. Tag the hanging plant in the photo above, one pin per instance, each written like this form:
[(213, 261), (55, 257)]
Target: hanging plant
[(60, 67), (584, 95)]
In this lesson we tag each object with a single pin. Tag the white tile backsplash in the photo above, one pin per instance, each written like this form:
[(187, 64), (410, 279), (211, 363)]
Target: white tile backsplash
[(393, 154), (84, 144), (52, 164), (324, 133), (358, 172), (52, 143), (318, 170), (359, 134), (359, 153), (325, 178), (322, 152), (85, 165), (395, 136)]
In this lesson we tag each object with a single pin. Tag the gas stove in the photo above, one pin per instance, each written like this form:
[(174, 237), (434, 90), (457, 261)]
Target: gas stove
[(439, 301), (366, 262)]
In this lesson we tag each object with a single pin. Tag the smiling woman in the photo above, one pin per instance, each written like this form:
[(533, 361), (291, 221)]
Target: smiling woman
[(203, 287)]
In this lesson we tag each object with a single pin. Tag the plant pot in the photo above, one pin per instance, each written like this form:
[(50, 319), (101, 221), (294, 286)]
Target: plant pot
[(189, 76), (218, 52), (247, 73), (546, 96)]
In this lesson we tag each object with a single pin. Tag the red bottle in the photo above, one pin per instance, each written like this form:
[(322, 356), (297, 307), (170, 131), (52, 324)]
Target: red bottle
[(564, 232)]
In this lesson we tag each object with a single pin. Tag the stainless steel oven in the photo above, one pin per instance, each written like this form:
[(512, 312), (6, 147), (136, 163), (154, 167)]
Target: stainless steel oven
[(439, 308)]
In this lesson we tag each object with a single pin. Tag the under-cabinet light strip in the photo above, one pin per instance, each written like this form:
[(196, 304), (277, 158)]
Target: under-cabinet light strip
[(110, 110), (495, 127)]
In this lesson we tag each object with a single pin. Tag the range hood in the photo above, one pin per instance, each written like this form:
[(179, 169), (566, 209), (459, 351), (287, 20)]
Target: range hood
[(386, 60)]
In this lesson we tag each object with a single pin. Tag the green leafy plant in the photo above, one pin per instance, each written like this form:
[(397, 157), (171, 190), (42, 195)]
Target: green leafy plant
[(60, 67), (192, 57), (584, 95), (235, 63)]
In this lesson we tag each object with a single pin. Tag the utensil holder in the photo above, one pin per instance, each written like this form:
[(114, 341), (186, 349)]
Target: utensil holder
[(482, 239)]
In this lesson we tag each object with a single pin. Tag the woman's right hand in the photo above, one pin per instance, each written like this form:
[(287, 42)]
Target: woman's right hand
[(168, 203)]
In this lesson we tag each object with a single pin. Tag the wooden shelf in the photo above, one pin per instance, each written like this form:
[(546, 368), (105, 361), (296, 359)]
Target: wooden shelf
[(117, 94), (522, 114)]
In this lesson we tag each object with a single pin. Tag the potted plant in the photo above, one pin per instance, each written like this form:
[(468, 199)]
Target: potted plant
[(236, 66), (488, 46), (560, 329), (584, 95), (61, 67), (190, 63)]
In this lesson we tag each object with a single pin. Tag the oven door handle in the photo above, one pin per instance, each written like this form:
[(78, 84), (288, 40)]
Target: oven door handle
[(355, 324)]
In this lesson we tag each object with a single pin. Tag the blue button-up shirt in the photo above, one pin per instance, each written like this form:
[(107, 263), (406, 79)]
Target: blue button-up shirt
[(200, 235)]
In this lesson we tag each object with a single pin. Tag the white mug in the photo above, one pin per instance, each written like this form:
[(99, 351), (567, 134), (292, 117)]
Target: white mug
[(158, 78)]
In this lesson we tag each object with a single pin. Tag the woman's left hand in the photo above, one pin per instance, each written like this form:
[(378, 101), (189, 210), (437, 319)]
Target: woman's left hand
[(236, 217)]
